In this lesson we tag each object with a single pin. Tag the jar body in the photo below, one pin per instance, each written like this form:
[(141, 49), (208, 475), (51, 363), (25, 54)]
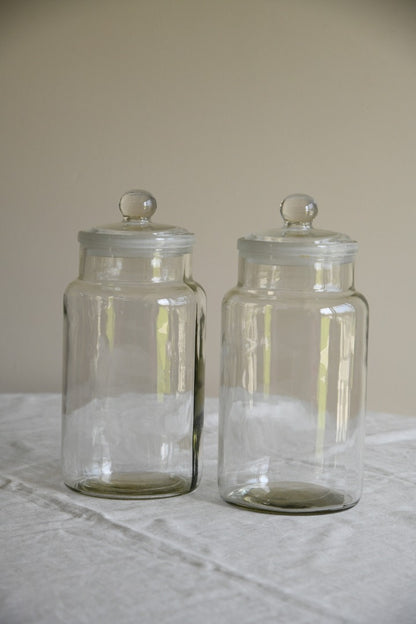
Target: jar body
[(133, 378), (293, 387)]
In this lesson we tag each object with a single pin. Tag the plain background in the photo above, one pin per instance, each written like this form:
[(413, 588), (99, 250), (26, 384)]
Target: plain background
[(220, 108)]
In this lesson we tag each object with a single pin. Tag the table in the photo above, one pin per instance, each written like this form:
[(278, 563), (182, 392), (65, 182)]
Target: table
[(69, 558)]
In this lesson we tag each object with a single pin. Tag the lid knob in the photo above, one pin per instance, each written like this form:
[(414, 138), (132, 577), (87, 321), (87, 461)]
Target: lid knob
[(298, 209), (137, 205)]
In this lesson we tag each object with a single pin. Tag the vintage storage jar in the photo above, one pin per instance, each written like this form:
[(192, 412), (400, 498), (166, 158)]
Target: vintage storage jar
[(293, 373), (133, 390)]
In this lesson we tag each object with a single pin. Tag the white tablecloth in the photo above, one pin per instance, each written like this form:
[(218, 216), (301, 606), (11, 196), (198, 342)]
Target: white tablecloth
[(70, 558)]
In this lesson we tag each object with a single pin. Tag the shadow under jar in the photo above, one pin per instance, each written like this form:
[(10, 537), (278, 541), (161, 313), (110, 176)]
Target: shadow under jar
[(293, 373), (133, 387)]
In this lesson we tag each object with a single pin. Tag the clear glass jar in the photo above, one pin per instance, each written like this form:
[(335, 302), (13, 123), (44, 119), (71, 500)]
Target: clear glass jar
[(293, 375), (133, 391)]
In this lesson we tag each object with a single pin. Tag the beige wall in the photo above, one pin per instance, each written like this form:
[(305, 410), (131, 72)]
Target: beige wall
[(220, 108)]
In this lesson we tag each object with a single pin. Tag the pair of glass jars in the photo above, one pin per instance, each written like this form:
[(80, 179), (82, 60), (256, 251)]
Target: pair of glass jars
[(293, 365)]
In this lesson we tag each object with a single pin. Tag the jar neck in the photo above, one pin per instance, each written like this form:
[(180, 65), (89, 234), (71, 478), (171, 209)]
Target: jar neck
[(152, 269), (313, 278)]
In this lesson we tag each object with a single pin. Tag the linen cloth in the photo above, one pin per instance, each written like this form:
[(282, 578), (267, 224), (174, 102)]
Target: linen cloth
[(69, 558)]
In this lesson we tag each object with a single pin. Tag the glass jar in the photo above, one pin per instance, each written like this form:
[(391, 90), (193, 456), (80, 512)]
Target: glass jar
[(293, 375), (133, 390)]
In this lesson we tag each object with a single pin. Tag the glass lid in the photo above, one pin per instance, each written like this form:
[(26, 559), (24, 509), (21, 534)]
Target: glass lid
[(297, 242), (136, 234)]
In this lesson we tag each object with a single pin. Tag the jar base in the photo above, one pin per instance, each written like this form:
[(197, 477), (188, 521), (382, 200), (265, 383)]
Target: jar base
[(290, 497), (133, 485)]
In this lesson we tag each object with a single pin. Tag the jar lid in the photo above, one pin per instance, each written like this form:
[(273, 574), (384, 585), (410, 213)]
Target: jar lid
[(136, 234), (297, 242)]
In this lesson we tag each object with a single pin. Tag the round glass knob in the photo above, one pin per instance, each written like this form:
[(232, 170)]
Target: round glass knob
[(137, 205), (298, 209)]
